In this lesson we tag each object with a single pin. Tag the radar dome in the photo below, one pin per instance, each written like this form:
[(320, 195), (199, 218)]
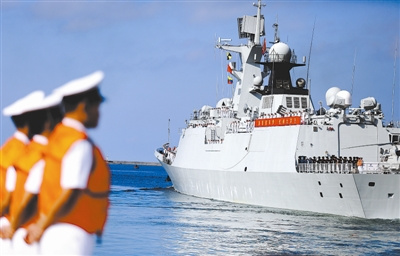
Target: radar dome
[(330, 95), (258, 81), (225, 102), (280, 52), (343, 99), (205, 108)]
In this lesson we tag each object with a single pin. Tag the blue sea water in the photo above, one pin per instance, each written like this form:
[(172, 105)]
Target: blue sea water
[(147, 217)]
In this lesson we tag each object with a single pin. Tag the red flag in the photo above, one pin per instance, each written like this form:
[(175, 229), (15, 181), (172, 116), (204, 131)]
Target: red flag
[(230, 80), (264, 47), (229, 69)]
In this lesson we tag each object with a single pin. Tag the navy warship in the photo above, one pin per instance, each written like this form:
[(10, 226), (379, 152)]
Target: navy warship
[(268, 146)]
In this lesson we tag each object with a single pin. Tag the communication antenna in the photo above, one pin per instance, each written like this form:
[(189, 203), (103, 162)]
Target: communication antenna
[(394, 78), (169, 120), (354, 70), (309, 53)]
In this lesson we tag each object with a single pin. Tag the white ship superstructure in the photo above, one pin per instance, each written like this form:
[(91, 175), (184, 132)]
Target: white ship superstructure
[(267, 145)]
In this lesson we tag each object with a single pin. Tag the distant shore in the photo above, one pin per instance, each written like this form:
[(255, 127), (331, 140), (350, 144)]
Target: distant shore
[(133, 163)]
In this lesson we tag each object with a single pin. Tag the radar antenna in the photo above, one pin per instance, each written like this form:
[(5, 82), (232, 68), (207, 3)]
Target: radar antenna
[(276, 35)]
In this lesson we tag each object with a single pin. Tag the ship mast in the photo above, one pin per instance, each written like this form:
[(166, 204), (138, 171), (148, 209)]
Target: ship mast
[(257, 34), (249, 76)]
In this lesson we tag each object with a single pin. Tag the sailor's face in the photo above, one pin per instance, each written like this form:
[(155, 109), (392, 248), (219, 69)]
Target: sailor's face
[(93, 115)]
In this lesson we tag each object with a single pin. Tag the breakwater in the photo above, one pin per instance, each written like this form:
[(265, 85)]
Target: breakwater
[(133, 163)]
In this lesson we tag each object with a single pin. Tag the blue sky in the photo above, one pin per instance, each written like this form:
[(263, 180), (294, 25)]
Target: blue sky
[(160, 62)]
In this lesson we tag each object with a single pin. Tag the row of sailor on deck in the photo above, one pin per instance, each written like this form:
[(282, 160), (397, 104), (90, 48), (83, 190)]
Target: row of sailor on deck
[(330, 163), (328, 159), (54, 180)]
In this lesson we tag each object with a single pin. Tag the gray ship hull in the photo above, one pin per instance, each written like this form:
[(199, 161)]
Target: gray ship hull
[(359, 195)]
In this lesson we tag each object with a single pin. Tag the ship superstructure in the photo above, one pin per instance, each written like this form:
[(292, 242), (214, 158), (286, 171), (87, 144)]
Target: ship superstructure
[(268, 146)]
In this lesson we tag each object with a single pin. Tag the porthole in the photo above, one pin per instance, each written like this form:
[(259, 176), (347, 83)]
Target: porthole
[(340, 195), (371, 184), (245, 169), (320, 193)]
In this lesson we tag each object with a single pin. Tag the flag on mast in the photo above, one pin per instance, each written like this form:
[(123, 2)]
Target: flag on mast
[(228, 56), (230, 80), (229, 68), (264, 47)]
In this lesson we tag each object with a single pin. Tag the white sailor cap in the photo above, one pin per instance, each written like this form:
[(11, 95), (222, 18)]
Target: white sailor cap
[(81, 85), (49, 101), (24, 104), (32, 102)]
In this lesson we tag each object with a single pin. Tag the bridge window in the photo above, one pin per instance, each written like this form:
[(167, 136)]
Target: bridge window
[(303, 102), (289, 103), (267, 102), (394, 138), (296, 102)]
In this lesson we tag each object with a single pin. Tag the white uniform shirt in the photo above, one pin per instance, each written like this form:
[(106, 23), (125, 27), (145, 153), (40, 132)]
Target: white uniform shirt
[(35, 177), (77, 162), (75, 167), (11, 175)]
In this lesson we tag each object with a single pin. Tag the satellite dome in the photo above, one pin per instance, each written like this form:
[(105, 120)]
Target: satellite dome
[(225, 102), (346, 96), (258, 81), (342, 99), (330, 95), (280, 52), (205, 108)]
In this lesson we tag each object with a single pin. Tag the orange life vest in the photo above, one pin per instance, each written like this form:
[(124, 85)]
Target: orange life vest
[(33, 153), (90, 210), (9, 153)]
